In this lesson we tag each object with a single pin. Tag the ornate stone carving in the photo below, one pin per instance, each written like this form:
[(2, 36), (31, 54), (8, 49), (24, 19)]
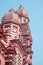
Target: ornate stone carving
[(15, 38)]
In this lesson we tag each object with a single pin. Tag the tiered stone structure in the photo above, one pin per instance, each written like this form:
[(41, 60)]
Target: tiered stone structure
[(15, 38)]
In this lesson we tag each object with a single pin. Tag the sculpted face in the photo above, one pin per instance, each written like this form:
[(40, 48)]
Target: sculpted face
[(11, 31)]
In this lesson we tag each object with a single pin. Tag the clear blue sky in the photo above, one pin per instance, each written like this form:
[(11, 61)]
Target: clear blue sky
[(35, 13)]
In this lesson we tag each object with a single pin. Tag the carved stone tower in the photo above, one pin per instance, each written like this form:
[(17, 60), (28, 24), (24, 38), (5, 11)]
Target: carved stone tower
[(15, 38)]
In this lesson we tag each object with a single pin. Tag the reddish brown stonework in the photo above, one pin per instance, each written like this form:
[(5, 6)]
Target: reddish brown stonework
[(15, 38)]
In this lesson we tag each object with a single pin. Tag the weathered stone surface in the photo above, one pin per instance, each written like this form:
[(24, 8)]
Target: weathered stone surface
[(15, 38)]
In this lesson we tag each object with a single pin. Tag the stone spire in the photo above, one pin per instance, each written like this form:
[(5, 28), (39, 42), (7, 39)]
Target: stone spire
[(22, 12)]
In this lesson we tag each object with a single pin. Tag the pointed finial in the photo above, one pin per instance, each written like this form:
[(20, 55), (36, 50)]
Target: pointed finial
[(21, 7), (11, 9)]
